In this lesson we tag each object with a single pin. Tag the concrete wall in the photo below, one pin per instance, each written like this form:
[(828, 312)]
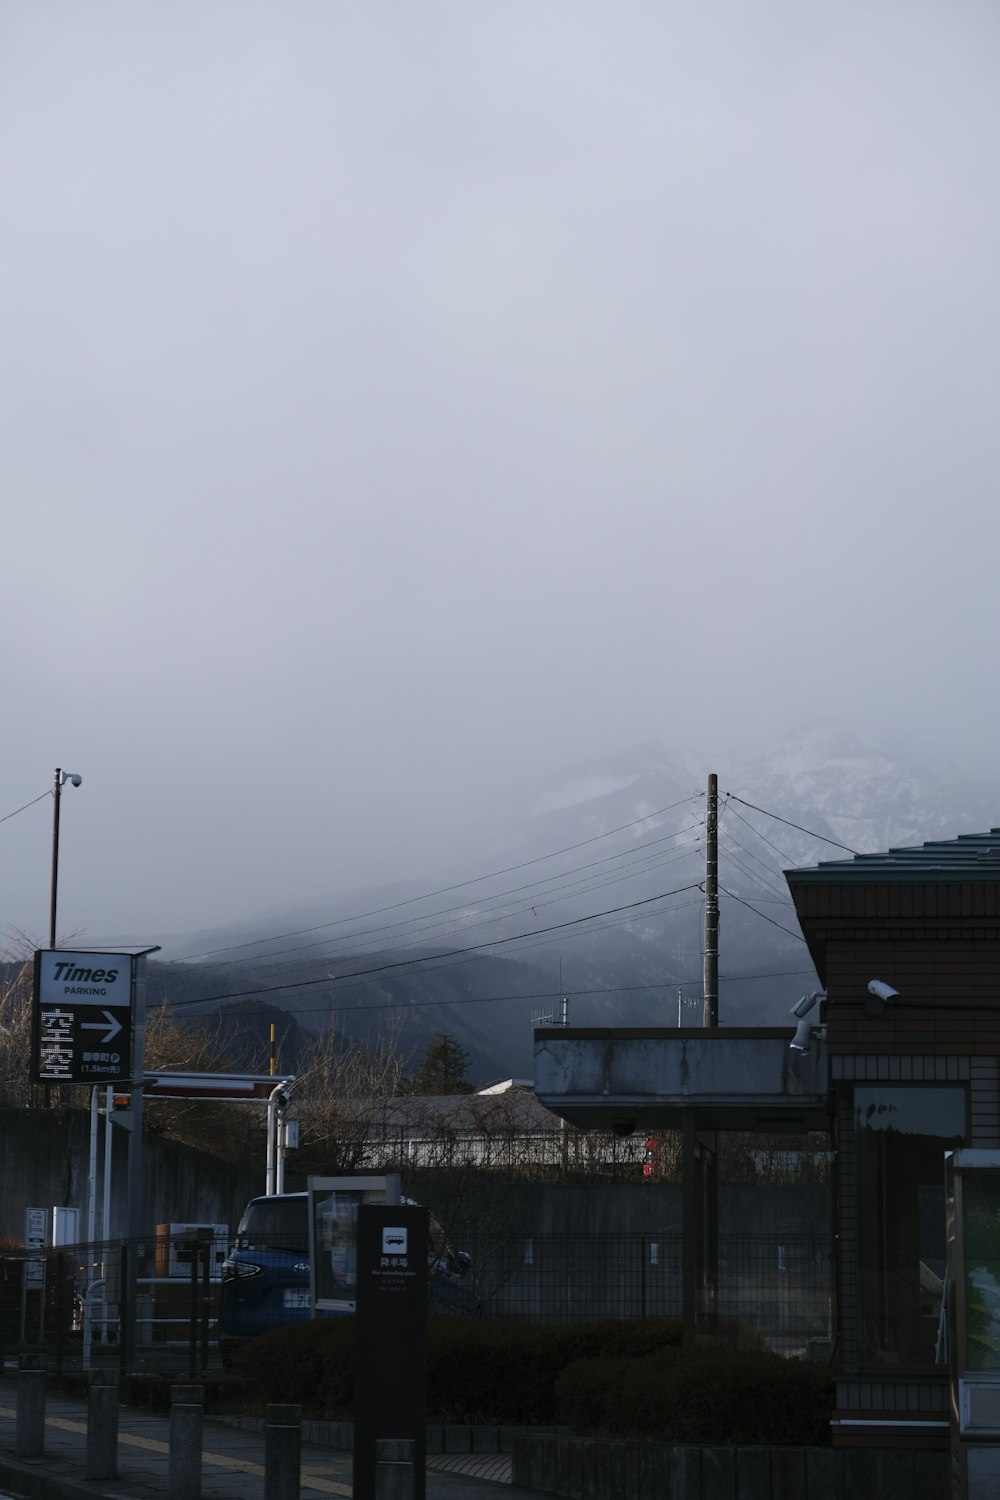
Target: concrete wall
[(605, 1208), (44, 1158), (579, 1467), (44, 1161)]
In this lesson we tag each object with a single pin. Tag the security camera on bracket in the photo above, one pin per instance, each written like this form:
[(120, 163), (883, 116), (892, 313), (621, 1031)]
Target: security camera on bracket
[(878, 997), (805, 1029)]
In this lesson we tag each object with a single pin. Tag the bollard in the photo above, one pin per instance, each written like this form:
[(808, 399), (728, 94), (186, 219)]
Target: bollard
[(29, 1435), (186, 1413), (394, 1475), (282, 1449), (101, 1461)]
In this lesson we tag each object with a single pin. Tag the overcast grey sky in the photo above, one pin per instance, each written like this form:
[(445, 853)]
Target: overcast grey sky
[(400, 397)]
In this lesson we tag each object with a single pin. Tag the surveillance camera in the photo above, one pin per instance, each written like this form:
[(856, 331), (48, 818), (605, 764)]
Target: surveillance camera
[(803, 1036), (76, 780), (804, 1006), (881, 990)]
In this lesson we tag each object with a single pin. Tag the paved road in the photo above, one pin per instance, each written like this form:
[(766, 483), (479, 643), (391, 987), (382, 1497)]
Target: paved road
[(232, 1468)]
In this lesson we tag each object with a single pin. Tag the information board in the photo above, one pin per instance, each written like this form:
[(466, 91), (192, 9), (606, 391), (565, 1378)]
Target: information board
[(333, 1234), (82, 1030)]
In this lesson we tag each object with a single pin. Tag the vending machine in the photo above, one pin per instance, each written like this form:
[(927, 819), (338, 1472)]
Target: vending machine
[(972, 1307)]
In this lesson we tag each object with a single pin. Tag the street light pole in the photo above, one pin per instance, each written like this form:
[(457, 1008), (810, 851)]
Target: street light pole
[(61, 778)]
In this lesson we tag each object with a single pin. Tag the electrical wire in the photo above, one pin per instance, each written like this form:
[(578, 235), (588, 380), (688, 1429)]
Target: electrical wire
[(765, 884), (611, 989), (442, 890), (778, 819), (765, 879), (7, 816), (547, 942), (408, 962), (656, 862), (764, 918), (763, 837)]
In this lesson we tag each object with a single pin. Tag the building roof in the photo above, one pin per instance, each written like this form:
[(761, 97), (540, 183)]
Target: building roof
[(971, 856)]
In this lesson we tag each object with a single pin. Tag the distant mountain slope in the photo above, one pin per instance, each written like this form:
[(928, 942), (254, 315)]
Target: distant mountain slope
[(588, 886)]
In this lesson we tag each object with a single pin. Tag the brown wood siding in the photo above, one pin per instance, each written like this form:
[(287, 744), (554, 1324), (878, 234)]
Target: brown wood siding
[(905, 901), (984, 1095), (847, 1224)]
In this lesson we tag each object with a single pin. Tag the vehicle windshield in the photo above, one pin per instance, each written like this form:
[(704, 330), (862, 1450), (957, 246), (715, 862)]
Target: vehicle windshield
[(277, 1223)]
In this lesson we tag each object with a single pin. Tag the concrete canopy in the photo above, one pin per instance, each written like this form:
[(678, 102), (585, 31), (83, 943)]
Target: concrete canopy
[(625, 1079)]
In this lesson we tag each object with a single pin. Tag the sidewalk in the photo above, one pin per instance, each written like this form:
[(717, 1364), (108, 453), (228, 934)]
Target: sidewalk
[(232, 1461)]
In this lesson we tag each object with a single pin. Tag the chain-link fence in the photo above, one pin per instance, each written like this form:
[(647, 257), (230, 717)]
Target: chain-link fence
[(184, 1303)]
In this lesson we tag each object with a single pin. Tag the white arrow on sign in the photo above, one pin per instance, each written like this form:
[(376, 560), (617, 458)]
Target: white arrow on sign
[(113, 1027)]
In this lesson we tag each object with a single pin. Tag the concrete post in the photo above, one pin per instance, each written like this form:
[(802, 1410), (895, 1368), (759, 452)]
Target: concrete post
[(101, 1460), (186, 1415), (282, 1451), (29, 1434), (394, 1468)]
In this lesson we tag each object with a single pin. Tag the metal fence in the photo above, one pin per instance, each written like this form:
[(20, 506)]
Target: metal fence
[(140, 1304), (780, 1288), (154, 1304)]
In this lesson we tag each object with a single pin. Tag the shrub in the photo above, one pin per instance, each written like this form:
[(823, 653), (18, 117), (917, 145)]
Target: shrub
[(626, 1379), (310, 1363), (703, 1395), (478, 1370)]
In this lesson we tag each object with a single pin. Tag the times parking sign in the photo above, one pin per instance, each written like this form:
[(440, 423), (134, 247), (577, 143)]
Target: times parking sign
[(82, 1017)]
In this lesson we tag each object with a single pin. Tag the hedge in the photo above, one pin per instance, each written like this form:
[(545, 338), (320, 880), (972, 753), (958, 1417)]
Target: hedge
[(627, 1379), (479, 1370), (703, 1395)]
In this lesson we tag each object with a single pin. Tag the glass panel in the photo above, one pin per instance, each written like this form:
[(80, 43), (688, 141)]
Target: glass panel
[(981, 1237), (902, 1135)]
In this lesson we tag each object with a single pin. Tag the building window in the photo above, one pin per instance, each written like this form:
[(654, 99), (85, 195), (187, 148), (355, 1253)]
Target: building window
[(902, 1135)]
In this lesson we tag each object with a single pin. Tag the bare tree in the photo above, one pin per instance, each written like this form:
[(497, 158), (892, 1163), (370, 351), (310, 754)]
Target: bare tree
[(342, 1096), (17, 1091), (230, 1131)]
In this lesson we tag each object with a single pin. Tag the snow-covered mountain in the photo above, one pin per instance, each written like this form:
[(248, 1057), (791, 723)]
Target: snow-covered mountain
[(587, 886)]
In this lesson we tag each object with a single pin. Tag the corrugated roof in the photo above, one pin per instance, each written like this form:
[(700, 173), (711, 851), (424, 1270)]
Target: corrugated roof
[(971, 856)]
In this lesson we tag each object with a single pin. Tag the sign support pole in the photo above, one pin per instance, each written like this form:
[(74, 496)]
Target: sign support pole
[(133, 1192)]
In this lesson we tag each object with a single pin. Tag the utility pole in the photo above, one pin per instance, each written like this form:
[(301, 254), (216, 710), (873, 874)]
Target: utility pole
[(711, 1013)]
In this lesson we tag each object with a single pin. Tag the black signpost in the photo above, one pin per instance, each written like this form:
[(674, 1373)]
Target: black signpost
[(83, 1008), (390, 1375)]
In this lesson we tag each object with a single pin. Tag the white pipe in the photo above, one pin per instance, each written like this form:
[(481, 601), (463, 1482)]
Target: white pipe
[(271, 1176), (282, 1146)]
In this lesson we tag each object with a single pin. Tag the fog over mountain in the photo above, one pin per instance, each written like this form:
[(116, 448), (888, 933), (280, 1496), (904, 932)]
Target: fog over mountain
[(401, 403), (586, 889)]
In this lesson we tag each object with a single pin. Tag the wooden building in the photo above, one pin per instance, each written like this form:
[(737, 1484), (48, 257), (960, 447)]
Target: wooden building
[(913, 1072)]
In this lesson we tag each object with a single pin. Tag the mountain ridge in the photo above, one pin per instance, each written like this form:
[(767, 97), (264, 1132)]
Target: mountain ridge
[(478, 956)]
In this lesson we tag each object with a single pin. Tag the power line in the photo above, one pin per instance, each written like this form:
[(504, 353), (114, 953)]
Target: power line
[(611, 989), (583, 932), (763, 837), (733, 897), (798, 826), (418, 925), (442, 890), (757, 879), (7, 816), (408, 962), (437, 962)]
